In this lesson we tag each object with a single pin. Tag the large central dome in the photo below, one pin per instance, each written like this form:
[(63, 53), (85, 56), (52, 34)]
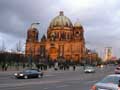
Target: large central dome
[(61, 21)]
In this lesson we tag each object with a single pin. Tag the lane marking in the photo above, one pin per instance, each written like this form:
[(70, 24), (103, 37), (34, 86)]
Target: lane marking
[(62, 86), (49, 75), (91, 82), (45, 88), (27, 83)]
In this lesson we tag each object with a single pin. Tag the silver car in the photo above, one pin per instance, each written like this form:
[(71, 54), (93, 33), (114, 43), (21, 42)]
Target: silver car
[(110, 82)]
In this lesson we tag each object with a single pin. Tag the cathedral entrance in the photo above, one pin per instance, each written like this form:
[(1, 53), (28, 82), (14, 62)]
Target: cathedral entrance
[(53, 53), (68, 57), (77, 58)]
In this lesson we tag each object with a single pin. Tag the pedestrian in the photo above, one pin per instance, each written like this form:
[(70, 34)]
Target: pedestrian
[(3, 67), (83, 67), (38, 66), (6, 67), (74, 67), (23, 65)]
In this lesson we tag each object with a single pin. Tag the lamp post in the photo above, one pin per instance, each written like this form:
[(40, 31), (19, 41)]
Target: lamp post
[(30, 57)]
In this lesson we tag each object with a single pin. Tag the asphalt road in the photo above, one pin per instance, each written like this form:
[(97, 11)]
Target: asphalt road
[(55, 80)]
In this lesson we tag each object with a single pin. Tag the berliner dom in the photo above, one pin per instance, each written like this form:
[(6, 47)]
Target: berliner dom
[(63, 41)]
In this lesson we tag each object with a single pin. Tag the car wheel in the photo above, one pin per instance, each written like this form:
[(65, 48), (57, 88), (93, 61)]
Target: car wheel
[(39, 76), (25, 77)]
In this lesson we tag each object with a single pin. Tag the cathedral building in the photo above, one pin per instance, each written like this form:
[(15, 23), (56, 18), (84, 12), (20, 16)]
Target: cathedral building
[(63, 40)]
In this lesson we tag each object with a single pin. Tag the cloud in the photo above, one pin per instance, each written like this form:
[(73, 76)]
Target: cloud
[(100, 19)]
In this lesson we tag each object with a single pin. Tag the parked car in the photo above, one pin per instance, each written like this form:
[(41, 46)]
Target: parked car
[(29, 73), (110, 82), (89, 69), (117, 70)]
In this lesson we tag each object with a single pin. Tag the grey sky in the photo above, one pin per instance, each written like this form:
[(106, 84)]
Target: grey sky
[(100, 19)]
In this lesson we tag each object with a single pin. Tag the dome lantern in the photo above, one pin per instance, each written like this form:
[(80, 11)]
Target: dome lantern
[(61, 13)]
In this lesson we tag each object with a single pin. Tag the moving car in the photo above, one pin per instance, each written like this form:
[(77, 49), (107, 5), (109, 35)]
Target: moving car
[(29, 73), (89, 69), (110, 82), (117, 70)]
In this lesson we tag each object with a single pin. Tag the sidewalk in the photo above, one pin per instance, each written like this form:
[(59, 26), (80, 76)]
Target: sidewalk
[(49, 70)]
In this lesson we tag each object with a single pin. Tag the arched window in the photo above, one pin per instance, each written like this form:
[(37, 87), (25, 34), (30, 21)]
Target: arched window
[(67, 36)]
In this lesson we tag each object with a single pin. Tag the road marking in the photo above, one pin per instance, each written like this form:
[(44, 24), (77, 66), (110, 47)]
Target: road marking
[(62, 86), (91, 82), (27, 83), (49, 75), (45, 88)]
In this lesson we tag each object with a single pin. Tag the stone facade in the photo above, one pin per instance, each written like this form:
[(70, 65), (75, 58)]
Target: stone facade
[(63, 40)]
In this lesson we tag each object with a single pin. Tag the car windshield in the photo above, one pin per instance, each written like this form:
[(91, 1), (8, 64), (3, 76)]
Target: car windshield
[(110, 79), (34, 71), (89, 67), (26, 71)]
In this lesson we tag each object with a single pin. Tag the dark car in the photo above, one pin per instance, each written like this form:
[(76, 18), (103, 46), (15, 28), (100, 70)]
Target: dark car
[(29, 73)]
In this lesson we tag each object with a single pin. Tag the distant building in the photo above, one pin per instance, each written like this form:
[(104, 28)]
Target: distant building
[(92, 56), (108, 54)]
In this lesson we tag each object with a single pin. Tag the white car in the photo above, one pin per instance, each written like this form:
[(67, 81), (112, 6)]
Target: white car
[(110, 82), (89, 69)]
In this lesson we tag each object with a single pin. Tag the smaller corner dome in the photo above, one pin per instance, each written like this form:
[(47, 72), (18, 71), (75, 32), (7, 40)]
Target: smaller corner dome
[(33, 29), (77, 24)]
